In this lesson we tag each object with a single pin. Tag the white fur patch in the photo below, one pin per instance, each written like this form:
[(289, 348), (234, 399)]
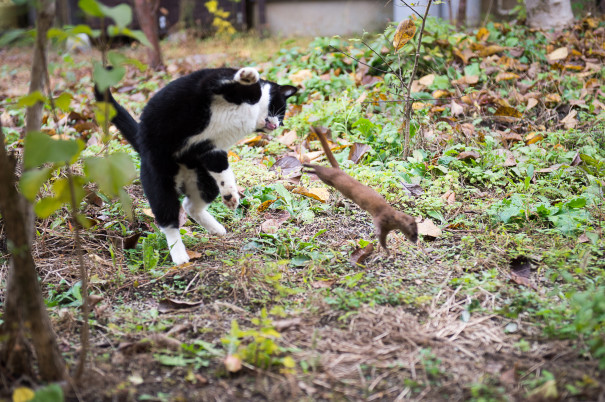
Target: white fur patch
[(229, 123), (227, 187), (178, 253)]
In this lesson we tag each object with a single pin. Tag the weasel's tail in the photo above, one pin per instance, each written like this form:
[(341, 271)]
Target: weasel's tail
[(127, 125)]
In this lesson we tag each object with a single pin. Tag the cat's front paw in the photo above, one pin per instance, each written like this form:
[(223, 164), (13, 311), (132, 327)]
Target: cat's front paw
[(231, 200), (247, 76)]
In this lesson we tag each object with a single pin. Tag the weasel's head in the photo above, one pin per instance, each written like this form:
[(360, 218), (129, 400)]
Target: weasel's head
[(273, 105)]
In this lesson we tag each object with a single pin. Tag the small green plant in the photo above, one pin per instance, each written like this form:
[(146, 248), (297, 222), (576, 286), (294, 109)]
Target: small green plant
[(257, 346)]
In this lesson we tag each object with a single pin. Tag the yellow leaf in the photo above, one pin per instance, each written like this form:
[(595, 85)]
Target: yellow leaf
[(507, 111), (262, 207), (489, 50), (233, 156), (552, 98), (418, 105), (288, 362), (147, 211), (483, 34), (440, 93), (533, 137), (506, 76), (405, 31), (318, 193), (559, 54), (300, 76), (23, 394)]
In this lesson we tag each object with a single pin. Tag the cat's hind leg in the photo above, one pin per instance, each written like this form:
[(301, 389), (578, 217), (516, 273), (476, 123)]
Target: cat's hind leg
[(164, 201), (196, 209)]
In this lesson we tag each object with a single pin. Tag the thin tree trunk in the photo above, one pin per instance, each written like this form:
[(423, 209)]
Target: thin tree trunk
[(44, 20), (24, 307), (147, 14), (461, 16)]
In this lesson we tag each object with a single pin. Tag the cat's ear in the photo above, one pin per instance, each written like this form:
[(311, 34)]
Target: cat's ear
[(287, 90)]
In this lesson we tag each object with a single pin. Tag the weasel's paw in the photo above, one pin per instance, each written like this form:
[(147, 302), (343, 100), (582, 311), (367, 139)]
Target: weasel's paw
[(231, 200), (247, 76)]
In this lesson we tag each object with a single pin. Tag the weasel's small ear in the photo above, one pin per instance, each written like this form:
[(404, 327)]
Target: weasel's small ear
[(287, 90)]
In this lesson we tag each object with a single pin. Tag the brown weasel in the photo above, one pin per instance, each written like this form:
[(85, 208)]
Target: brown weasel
[(386, 218)]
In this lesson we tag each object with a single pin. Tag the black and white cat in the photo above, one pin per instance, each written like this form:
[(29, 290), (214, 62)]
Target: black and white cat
[(182, 138)]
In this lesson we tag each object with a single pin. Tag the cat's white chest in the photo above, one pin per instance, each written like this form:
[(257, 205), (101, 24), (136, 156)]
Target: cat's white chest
[(229, 122)]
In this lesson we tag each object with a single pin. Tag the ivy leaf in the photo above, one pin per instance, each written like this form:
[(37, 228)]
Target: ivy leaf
[(105, 78), (121, 14), (40, 149)]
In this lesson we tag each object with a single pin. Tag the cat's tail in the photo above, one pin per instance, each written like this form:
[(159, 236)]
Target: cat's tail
[(127, 125)]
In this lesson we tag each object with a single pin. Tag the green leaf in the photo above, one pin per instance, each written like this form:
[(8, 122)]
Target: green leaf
[(40, 149), (46, 206), (138, 35), (106, 78), (576, 203), (50, 393), (31, 99), (126, 203), (62, 191), (11, 35), (64, 101), (32, 180), (91, 7), (56, 33), (111, 173), (103, 109), (121, 14)]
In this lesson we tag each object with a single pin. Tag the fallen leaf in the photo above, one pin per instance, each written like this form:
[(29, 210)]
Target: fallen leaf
[(583, 238), (428, 228), (322, 284), (287, 165), (405, 31), (545, 392), (360, 254), (559, 54), (167, 305), (413, 189), (263, 207), (427, 80), (507, 111), (318, 193), (504, 76), (287, 138), (531, 102), (456, 108), (468, 155), (272, 225), (482, 34), (194, 254), (283, 325), (300, 76), (130, 242), (147, 211), (490, 50), (357, 151), (533, 137), (570, 120)]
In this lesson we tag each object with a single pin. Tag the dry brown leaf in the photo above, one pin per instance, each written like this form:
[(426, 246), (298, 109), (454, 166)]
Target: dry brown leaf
[(510, 157), (193, 255), (287, 165), (360, 254), (405, 31), (428, 228), (559, 54), (357, 151), (271, 225), (456, 108), (322, 284), (552, 98), (166, 305), (570, 120), (427, 80), (469, 155), (287, 138), (531, 102)]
